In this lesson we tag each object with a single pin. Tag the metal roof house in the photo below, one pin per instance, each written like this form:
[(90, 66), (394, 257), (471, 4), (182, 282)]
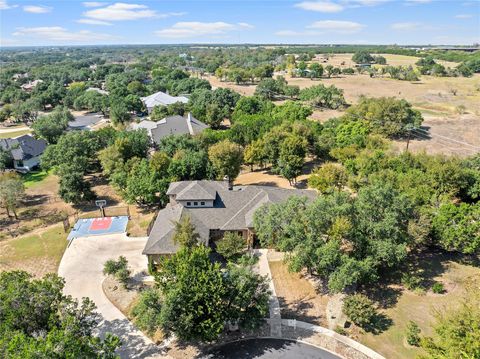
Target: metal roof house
[(214, 207), (25, 151), (171, 125), (161, 99)]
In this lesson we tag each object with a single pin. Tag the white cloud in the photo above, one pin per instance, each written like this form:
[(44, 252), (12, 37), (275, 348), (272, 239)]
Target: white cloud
[(337, 26), (93, 22), (245, 25), (60, 34), (4, 5), (93, 4), (418, 1), (297, 33), (37, 9), (121, 11), (320, 6), (406, 26), (463, 16), (196, 29)]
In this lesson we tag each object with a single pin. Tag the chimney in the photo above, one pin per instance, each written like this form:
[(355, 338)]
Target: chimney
[(228, 183), (189, 124)]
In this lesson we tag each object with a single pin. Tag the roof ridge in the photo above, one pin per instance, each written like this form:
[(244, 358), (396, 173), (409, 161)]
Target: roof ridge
[(241, 209)]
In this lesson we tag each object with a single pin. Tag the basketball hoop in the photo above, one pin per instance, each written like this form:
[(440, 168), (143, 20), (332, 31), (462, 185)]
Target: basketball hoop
[(101, 203)]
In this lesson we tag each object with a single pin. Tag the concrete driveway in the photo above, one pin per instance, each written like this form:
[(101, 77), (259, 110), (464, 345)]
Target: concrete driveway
[(82, 266)]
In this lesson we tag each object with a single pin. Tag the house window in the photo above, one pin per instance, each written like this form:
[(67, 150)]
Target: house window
[(195, 203), (202, 203), (189, 203)]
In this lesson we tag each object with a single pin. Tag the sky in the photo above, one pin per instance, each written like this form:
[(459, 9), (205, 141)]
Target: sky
[(71, 22)]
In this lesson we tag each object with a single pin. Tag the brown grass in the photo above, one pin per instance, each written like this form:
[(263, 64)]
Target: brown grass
[(298, 299)]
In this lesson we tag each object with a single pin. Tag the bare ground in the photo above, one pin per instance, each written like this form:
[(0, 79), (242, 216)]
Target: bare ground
[(298, 298)]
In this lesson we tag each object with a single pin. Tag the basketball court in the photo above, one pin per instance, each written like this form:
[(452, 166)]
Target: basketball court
[(87, 227)]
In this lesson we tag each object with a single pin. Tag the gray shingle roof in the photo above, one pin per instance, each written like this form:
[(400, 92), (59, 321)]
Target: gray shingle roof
[(177, 125), (232, 210), (23, 147)]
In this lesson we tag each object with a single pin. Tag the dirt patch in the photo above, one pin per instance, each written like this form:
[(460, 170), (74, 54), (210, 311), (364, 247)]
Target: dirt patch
[(298, 298)]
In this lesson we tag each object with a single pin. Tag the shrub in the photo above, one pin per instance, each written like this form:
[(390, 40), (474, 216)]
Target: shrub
[(338, 329), (146, 312), (118, 268), (438, 288), (413, 334), (360, 310), (411, 281)]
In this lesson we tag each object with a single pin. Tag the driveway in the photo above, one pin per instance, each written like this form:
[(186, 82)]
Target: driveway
[(82, 266)]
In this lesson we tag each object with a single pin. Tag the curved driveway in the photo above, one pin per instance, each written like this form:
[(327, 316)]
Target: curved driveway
[(82, 266)]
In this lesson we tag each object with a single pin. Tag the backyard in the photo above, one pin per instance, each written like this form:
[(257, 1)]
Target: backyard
[(299, 300)]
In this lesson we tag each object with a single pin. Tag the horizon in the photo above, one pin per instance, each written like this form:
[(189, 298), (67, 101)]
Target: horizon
[(53, 23)]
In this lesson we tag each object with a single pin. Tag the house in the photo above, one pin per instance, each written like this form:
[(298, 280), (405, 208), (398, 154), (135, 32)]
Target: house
[(171, 125), (214, 207), (161, 99), (96, 89), (30, 85), (25, 151)]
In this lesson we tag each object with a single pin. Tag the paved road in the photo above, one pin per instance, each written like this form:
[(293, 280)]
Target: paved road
[(269, 349), (82, 266)]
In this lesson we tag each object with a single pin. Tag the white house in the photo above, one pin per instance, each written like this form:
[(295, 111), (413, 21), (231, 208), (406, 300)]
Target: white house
[(161, 99)]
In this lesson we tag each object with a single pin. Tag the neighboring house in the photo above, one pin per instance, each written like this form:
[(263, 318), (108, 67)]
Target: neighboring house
[(25, 151), (86, 122), (172, 125), (96, 89), (161, 99), (214, 207), (31, 85)]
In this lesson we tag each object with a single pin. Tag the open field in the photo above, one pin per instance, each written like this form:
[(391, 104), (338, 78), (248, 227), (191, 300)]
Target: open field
[(38, 253), (420, 307), (345, 60), (450, 105)]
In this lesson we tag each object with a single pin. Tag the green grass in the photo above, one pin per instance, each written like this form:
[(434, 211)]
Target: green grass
[(14, 133), (33, 178), (44, 249)]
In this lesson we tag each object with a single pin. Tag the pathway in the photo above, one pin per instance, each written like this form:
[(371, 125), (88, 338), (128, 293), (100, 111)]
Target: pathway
[(82, 266), (275, 316)]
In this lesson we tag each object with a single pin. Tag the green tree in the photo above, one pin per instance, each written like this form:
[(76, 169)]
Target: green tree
[(316, 70), (292, 157), (185, 234), (323, 96), (231, 246), (38, 320), (12, 191), (457, 227), (360, 310), (328, 177), (457, 331), (362, 57), (73, 187), (52, 126), (385, 115), (226, 158)]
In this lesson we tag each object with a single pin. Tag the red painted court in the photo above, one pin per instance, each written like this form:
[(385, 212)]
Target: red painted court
[(99, 224)]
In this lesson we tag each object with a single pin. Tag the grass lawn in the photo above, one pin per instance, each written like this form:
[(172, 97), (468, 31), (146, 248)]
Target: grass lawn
[(38, 253), (14, 133), (421, 308), (34, 178)]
